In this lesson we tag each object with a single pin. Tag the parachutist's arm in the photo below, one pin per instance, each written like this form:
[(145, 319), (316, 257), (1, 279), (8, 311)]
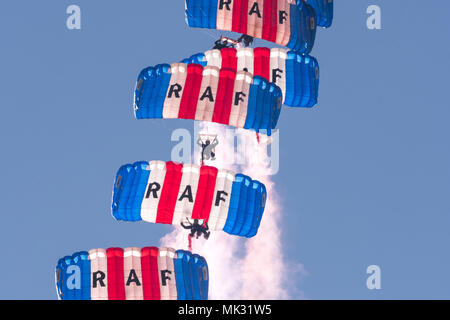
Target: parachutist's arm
[(215, 143), (199, 142), (186, 226)]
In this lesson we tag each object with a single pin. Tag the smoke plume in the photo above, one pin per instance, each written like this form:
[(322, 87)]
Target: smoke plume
[(242, 268)]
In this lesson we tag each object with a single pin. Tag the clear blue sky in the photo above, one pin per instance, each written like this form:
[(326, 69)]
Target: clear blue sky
[(364, 177)]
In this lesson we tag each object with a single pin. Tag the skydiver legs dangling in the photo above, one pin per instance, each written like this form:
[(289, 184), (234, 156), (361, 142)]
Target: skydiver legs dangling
[(204, 231)]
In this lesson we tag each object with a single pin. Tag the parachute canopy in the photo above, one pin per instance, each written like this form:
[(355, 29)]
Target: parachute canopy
[(132, 274), (324, 11), (170, 193), (296, 74), (226, 96), (290, 23)]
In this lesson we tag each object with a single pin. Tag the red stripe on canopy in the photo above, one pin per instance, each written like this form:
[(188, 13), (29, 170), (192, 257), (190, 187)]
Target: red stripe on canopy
[(205, 193), (240, 11), (262, 62), (188, 104), (150, 276), (224, 99), (229, 58), (270, 20), (116, 282), (169, 193)]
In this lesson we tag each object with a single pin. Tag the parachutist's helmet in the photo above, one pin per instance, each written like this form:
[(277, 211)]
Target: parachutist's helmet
[(207, 142), (196, 221)]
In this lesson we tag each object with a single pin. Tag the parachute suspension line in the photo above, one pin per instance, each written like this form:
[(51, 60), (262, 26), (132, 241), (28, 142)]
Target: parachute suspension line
[(257, 137)]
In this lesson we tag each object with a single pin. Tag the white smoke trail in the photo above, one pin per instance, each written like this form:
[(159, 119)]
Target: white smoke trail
[(243, 268), (264, 249)]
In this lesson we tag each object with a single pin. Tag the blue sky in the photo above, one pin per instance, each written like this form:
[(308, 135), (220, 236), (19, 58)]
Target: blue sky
[(364, 176)]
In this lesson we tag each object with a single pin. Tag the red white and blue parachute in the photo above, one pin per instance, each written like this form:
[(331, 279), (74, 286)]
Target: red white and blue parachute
[(227, 96), (290, 23), (296, 74), (132, 274), (170, 193)]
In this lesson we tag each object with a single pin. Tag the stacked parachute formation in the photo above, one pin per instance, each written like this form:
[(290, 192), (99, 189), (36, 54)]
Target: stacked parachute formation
[(240, 87), (132, 274)]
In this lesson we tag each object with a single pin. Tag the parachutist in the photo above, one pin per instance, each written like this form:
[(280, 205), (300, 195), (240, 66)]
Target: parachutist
[(225, 42), (208, 149), (197, 229)]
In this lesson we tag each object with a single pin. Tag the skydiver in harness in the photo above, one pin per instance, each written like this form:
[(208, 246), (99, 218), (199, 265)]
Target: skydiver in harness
[(197, 228), (222, 44), (208, 149), (225, 42)]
